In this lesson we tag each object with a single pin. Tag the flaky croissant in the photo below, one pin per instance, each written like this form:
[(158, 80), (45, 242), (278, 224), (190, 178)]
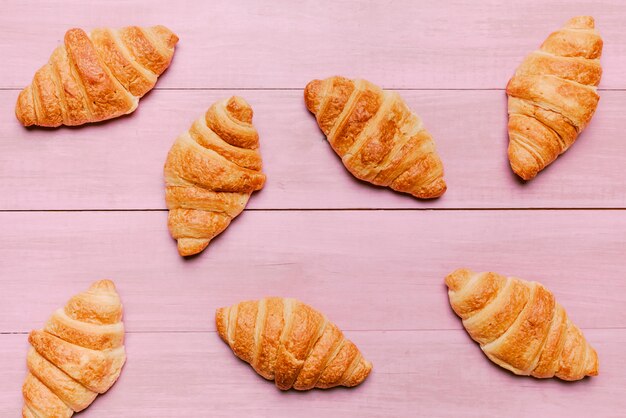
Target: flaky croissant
[(520, 326), (291, 343), (78, 354), (553, 96), (210, 173), (97, 76), (376, 135)]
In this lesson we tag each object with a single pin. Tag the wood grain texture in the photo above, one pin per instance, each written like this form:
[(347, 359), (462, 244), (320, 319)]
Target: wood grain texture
[(378, 274), (119, 164), (189, 374), (364, 269), (399, 44)]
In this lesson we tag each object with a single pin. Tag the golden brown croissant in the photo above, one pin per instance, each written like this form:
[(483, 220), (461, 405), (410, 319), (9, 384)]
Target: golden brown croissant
[(553, 96), (97, 76), (78, 354), (376, 135), (290, 342), (520, 326), (210, 173)]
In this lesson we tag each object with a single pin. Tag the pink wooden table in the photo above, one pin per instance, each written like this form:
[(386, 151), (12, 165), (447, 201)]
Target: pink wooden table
[(87, 203)]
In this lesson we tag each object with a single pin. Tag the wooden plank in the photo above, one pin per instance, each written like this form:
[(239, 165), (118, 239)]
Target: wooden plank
[(378, 274), (242, 44), (416, 373), (365, 269), (118, 164)]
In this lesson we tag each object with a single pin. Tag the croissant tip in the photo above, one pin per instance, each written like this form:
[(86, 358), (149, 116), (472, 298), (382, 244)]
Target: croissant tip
[(434, 191), (444, 188), (369, 366), (359, 374), (522, 162), (169, 38), (75, 32), (105, 284), (312, 84), (594, 364), (457, 279), (220, 320), (240, 109), (522, 173), (32, 334), (311, 94), (581, 22), (25, 108), (191, 246)]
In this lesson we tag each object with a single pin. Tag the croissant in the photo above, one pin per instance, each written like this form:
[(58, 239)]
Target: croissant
[(97, 76), (376, 135), (520, 326), (210, 173), (553, 96), (290, 342), (78, 354)]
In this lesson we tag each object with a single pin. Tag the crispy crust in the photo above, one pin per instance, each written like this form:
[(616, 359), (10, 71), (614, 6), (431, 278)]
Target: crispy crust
[(291, 343), (553, 96), (79, 354), (68, 390), (96, 77), (132, 75), (520, 326), (40, 401), (210, 173), (376, 135)]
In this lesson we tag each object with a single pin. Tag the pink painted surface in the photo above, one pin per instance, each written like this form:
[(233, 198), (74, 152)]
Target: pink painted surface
[(283, 44), (416, 373), (365, 269), (121, 161), (377, 273)]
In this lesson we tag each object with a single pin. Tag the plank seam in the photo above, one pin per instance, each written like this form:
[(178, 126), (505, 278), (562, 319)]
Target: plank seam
[(301, 88), (344, 330), (337, 209)]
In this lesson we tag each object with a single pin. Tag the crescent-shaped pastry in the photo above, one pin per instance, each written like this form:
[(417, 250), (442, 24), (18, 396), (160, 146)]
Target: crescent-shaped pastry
[(377, 136), (78, 355), (520, 326), (210, 173), (291, 343), (97, 76), (553, 96)]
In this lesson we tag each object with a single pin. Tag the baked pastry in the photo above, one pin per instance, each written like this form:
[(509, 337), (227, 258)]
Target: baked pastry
[(376, 135), (553, 96), (291, 343), (520, 326), (97, 76), (78, 354), (210, 173)]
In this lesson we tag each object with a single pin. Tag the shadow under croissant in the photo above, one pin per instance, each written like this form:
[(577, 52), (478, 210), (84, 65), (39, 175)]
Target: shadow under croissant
[(191, 258), (542, 173), (506, 165), (143, 99), (84, 125), (272, 386), (343, 171), (526, 381)]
